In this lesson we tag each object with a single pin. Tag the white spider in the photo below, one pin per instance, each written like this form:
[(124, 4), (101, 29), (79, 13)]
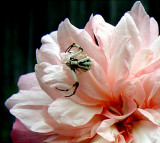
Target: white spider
[(76, 62)]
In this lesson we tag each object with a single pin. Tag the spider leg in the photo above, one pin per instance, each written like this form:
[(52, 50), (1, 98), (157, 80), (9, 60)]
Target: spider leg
[(70, 47), (76, 84), (76, 54), (77, 46)]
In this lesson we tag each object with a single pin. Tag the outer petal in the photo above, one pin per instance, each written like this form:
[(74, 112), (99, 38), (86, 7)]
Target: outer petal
[(49, 51), (66, 33), (100, 32), (155, 47), (58, 139), (125, 29), (27, 107), (50, 77), (146, 132), (125, 42), (145, 24), (80, 132), (20, 134), (120, 63), (49, 42), (67, 112), (28, 81), (95, 23), (154, 29), (29, 91)]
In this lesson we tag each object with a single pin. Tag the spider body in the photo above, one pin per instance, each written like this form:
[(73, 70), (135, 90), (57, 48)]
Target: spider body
[(81, 64), (76, 62)]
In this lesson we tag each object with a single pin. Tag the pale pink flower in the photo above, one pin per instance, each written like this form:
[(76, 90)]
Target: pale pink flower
[(118, 99)]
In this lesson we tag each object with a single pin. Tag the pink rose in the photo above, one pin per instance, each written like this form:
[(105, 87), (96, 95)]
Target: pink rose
[(117, 100)]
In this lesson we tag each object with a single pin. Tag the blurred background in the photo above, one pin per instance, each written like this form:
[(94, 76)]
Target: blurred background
[(23, 24)]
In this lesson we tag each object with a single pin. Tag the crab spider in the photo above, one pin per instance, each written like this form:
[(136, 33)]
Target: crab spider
[(76, 62)]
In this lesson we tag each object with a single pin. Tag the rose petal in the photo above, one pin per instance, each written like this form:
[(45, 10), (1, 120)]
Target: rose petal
[(146, 132), (66, 33), (155, 47), (34, 123), (25, 104), (58, 139), (50, 77), (134, 90), (87, 137), (141, 60), (84, 131), (125, 30), (49, 51), (99, 139), (53, 73), (128, 107), (49, 42), (28, 95), (67, 112), (47, 56), (20, 134), (152, 115), (143, 22), (108, 130), (120, 63), (154, 98), (148, 82), (154, 29), (28, 81), (94, 85), (125, 42), (98, 28), (149, 69)]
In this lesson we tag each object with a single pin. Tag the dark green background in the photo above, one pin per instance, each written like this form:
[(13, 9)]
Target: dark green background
[(23, 24)]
